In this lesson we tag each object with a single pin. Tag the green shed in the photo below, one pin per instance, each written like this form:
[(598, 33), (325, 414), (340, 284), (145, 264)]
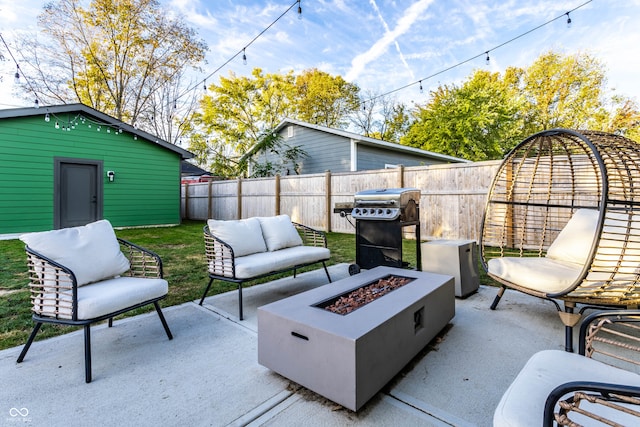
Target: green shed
[(68, 165)]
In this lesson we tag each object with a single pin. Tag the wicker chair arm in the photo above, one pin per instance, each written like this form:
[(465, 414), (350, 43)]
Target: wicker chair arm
[(311, 236), (606, 395), (144, 263), (53, 287), (613, 334), (219, 254)]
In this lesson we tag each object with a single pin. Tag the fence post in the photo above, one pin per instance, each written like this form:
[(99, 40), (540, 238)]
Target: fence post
[(277, 190), (186, 201), (401, 177), (239, 210), (209, 200), (327, 192)]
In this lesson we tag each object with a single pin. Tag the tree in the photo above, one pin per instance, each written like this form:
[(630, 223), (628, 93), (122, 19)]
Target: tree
[(237, 113), (381, 117), (120, 58), (325, 100), (476, 121), (564, 91)]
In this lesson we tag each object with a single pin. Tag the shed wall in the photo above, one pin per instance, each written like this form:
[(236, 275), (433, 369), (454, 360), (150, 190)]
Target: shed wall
[(146, 190)]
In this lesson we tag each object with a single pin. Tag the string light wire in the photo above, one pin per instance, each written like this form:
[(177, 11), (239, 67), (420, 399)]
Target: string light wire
[(480, 54), (18, 70)]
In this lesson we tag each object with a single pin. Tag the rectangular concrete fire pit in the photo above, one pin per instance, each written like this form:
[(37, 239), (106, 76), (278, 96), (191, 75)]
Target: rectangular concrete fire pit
[(348, 358)]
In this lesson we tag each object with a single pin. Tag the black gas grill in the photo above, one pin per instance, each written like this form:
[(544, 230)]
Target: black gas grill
[(380, 218)]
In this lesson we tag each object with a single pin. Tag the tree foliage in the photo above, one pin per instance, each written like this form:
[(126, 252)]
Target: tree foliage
[(489, 113), (237, 113), (381, 117), (325, 100), (474, 121), (124, 58)]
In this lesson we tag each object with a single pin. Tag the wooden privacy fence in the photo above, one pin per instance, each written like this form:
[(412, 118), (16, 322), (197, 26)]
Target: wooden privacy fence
[(451, 203)]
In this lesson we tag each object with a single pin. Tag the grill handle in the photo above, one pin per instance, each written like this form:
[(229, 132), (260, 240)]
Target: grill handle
[(375, 203)]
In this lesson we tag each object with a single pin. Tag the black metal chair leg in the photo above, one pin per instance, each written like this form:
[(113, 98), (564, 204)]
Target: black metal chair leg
[(240, 301), (23, 353), (162, 319), (87, 353), (294, 273), (110, 322), (204, 295), (326, 271), (495, 302)]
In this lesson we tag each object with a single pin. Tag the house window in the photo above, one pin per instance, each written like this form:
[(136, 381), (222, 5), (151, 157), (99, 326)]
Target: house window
[(289, 131)]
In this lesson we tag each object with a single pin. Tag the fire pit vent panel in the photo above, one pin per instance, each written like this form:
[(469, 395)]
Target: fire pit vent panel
[(348, 359)]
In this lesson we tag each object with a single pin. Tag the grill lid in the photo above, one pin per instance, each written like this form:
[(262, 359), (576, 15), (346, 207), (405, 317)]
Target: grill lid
[(396, 197), (385, 204)]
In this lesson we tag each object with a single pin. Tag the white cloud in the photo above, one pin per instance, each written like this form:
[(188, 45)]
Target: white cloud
[(404, 24)]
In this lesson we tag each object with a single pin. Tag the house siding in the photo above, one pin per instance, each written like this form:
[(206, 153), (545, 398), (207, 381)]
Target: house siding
[(146, 189), (376, 158), (324, 151)]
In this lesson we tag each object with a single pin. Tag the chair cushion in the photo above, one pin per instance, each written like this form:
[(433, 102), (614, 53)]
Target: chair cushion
[(573, 244), (108, 296), (91, 251), (523, 402), (279, 232), (268, 262), (243, 235), (540, 274)]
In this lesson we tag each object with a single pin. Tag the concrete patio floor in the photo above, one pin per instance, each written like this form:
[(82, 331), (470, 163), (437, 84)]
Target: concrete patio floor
[(208, 374)]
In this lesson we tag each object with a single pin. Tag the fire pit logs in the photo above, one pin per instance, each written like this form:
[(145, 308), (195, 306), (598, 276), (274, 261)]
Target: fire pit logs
[(346, 303)]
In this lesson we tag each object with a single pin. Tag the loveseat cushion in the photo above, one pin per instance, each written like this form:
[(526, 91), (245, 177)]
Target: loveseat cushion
[(279, 232), (262, 263), (523, 402), (243, 235), (540, 274), (105, 297), (91, 251)]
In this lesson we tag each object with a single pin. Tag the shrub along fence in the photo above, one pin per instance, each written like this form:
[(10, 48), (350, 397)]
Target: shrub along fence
[(451, 203)]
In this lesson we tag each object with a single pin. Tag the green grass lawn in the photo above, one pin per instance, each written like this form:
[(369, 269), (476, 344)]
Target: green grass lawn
[(182, 251)]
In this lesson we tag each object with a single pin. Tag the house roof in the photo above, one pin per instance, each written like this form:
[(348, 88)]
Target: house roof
[(95, 115), (373, 142)]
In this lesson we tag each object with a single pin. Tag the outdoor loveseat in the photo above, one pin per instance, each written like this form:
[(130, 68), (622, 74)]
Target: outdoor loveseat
[(242, 250), (83, 275)]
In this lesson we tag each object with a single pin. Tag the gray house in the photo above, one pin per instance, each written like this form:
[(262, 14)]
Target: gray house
[(341, 151)]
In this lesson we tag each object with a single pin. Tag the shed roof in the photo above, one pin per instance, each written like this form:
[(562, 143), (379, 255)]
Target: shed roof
[(95, 115), (365, 140)]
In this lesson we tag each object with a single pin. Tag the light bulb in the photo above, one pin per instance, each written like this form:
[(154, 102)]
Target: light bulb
[(299, 10), (46, 117), (244, 57), (421, 90), (487, 60), (568, 20)]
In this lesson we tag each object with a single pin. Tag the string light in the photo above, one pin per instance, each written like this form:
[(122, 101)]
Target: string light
[(421, 90), (487, 60), (244, 57), (568, 20), (17, 75), (299, 10)]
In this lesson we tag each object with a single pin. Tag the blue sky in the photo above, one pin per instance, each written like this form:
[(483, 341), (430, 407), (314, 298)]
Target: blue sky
[(384, 45)]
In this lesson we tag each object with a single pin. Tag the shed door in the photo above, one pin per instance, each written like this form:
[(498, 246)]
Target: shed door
[(78, 192)]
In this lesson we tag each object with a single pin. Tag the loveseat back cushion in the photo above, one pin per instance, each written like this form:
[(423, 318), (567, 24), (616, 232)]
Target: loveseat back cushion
[(573, 243), (279, 232), (243, 235), (91, 251)]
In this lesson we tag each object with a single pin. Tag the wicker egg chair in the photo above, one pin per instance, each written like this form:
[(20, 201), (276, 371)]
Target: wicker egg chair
[(562, 222)]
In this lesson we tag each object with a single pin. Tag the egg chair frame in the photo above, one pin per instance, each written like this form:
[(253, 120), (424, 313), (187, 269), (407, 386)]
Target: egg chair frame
[(538, 188)]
